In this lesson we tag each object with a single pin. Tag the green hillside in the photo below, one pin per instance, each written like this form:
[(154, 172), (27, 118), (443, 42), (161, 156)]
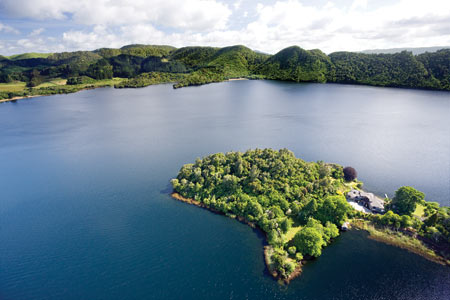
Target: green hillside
[(219, 64), (297, 64), (201, 65), (398, 70), (29, 55)]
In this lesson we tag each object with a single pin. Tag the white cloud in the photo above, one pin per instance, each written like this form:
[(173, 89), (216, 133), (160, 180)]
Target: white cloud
[(8, 29), (37, 31), (237, 4), (362, 24), (334, 27), (357, 4), (204, 15)]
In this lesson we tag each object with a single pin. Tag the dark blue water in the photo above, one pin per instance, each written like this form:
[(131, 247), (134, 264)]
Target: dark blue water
[(85, 211)]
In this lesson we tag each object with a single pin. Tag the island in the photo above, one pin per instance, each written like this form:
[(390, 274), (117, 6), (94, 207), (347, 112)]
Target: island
[(35, 74), (301, 207)]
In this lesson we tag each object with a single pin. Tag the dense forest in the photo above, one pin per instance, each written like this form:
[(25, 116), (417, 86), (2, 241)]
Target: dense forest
[(299, 205), (200, 65)]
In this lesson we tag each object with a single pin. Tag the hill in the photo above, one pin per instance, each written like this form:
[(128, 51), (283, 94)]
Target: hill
[(214, 64), (396, 70), (297, 64), (200, 65), (29, 55)]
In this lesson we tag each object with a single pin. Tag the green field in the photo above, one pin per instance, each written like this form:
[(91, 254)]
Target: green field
[(16, 86)]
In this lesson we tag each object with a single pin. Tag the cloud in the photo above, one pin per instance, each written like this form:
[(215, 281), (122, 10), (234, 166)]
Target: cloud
[(359, 4), (237, 4), (269, 27), (335, 27), (201, 15), (8, 29), (37, 31)]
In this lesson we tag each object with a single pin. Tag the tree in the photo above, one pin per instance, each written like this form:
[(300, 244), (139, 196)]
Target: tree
[(286, 224), (406, 199), (35, 79), (308, 210), (100, 70), (309, 241), (324, 170), (292, 250), (6, 78), (334, 209), (330, 231), (350, 174)]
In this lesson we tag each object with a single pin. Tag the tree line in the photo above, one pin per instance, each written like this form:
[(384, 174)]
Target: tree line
[(208, 64)]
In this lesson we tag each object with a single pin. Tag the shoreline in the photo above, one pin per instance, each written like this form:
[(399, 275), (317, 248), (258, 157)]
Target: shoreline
[(227, 80), (19, 98), (266, 248), (408, 243), (236, 79), (54, 94), (411, 244)]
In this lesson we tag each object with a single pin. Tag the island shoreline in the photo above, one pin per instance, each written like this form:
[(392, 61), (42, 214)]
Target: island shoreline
[(273, 273), (393, 240)]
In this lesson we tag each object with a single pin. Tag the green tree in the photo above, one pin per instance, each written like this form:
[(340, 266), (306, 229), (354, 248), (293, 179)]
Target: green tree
[(330, 231), (100, 70), (309, 241), (406, 199), (334, 209), (35, 78), (286, 224)]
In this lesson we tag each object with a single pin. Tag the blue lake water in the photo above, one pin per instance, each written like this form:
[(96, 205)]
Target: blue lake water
[(84, 189)]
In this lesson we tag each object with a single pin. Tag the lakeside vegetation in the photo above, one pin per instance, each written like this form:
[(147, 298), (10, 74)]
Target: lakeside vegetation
[(300, 206), (143, 65), (17, 89), (407, 241)]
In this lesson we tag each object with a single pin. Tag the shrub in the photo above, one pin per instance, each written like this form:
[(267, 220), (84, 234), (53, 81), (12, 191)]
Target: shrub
[(350, 174)]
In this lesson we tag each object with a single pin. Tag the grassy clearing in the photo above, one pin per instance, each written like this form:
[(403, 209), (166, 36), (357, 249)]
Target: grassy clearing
[(53, 82), (419, 212), (53, 86), (291, 233), (16, 86)]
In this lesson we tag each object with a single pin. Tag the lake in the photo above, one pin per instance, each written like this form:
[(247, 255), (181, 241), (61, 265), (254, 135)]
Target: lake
[(84, 188)]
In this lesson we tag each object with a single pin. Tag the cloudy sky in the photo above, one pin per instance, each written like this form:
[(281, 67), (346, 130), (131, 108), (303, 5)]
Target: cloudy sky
[(269, 26)]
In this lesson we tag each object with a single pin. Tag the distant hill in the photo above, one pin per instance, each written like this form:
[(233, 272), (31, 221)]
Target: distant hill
[(29, 55), (414, 51), (198, 65), (297, 64)]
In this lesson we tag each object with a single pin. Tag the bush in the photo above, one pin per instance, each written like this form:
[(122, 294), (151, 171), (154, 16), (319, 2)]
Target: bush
[(350, 174), (79, 80)]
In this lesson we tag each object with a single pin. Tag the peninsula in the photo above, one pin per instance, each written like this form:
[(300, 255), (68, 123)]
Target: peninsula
[(32, 74), (300, 206)]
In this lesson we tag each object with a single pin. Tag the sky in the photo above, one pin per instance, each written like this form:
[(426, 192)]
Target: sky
[(267, 26)]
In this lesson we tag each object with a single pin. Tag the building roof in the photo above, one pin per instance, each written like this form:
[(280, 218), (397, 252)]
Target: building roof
[(373, 200)]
